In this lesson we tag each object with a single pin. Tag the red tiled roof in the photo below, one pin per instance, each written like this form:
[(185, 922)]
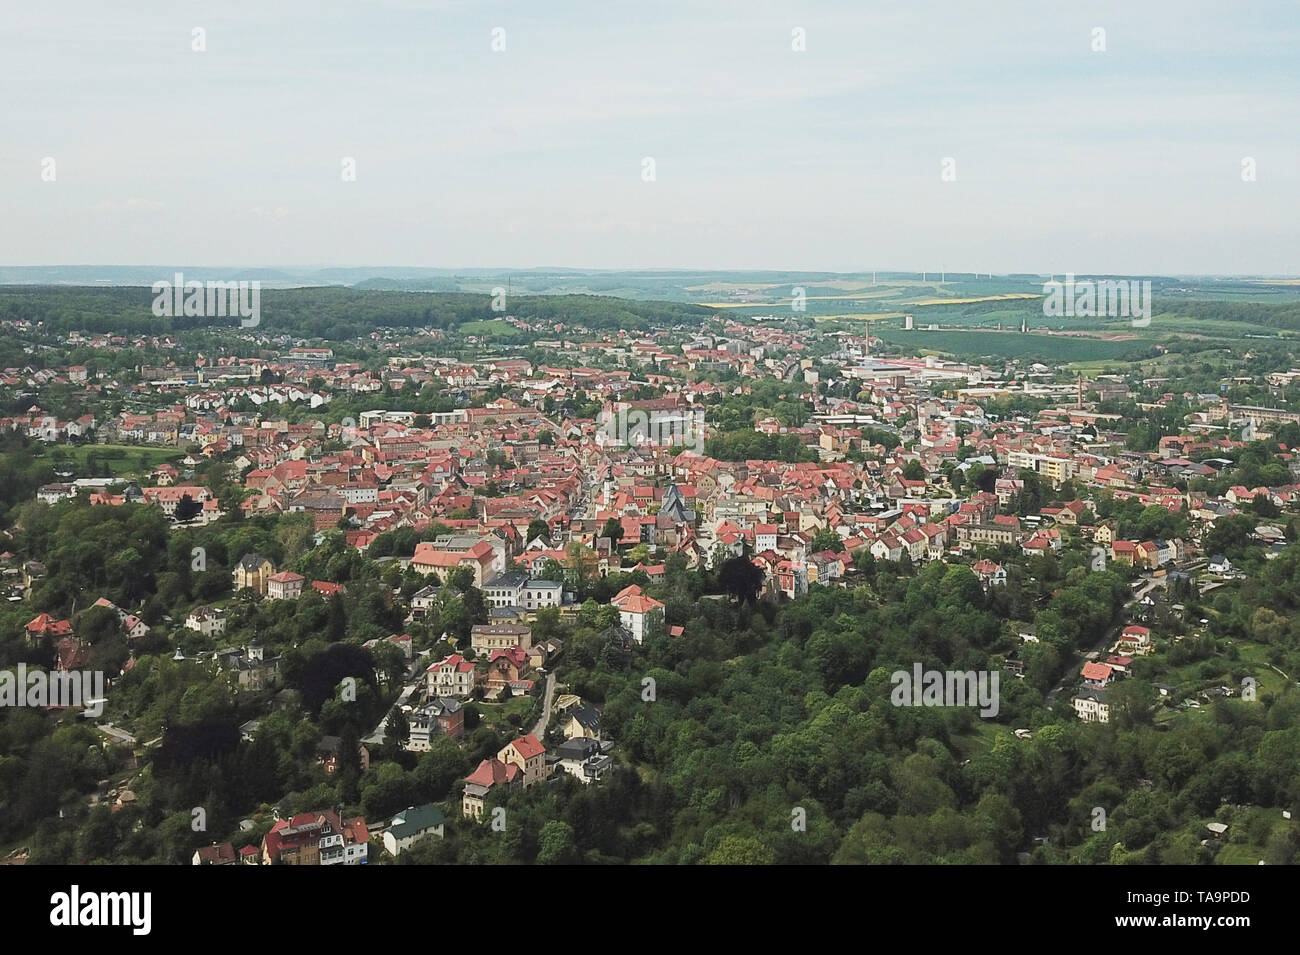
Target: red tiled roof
[(1096, 671), (639, 604), (528, 746), (631, 590), (493, 772), (216, 854)]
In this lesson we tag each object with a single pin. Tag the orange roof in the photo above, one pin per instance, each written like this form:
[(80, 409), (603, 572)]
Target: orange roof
[(528, 746), (631, 590), (426, 554), (639, 604), (493, 772)]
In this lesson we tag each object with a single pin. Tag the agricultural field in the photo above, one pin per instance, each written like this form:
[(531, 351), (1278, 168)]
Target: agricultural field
[(1011, 345), (921, 303)]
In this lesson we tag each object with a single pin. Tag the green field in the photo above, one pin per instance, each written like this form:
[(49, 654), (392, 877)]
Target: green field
[(1173, 324), (493, 328), (1256, 654), (497, 715), (983, 736), (122, 460), (1095, 367), (1007, 345), (1244, 842)]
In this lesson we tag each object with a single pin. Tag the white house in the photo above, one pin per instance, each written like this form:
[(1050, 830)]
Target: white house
[(424, 600), (413, 824), (1134, 639), (584, 759), (453, 676), (1091, 706), (887, 548), (764, 537), (53, 493), (505, 590), (207, 620), (336, 848), (135, 627), (991, 573), (641, 616), (285, 585), (519, 590), (542, 593)]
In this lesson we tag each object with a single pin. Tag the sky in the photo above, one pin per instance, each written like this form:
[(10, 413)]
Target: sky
[(1127, 160)]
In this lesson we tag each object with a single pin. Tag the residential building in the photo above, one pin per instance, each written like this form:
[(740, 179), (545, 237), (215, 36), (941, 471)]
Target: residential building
[(443, 715), (1134, 639), (519, 590), (583, 722), (1091, 706), (413, 824), (641, 616), (285, 585), (215, 854), (252, 573), (327, 754), (486, 637), (481, 558), (587, 760), (316, 838), (451, 676), (208, 621), (521, 763)]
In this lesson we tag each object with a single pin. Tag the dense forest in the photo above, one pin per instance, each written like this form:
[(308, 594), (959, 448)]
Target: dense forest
[(333, 314)]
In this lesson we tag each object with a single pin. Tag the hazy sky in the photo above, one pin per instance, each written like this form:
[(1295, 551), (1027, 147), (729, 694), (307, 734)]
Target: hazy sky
[(1123, 161)]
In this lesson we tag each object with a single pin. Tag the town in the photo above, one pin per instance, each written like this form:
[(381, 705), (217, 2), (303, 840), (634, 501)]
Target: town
[(450, 592)]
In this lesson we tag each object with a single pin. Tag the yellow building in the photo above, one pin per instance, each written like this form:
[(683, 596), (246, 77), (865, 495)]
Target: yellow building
[(252, 573)]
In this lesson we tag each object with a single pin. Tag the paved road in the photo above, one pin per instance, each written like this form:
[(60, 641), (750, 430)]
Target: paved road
[(540, 729), (1071, 676), (414, 680), (377, 735)]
